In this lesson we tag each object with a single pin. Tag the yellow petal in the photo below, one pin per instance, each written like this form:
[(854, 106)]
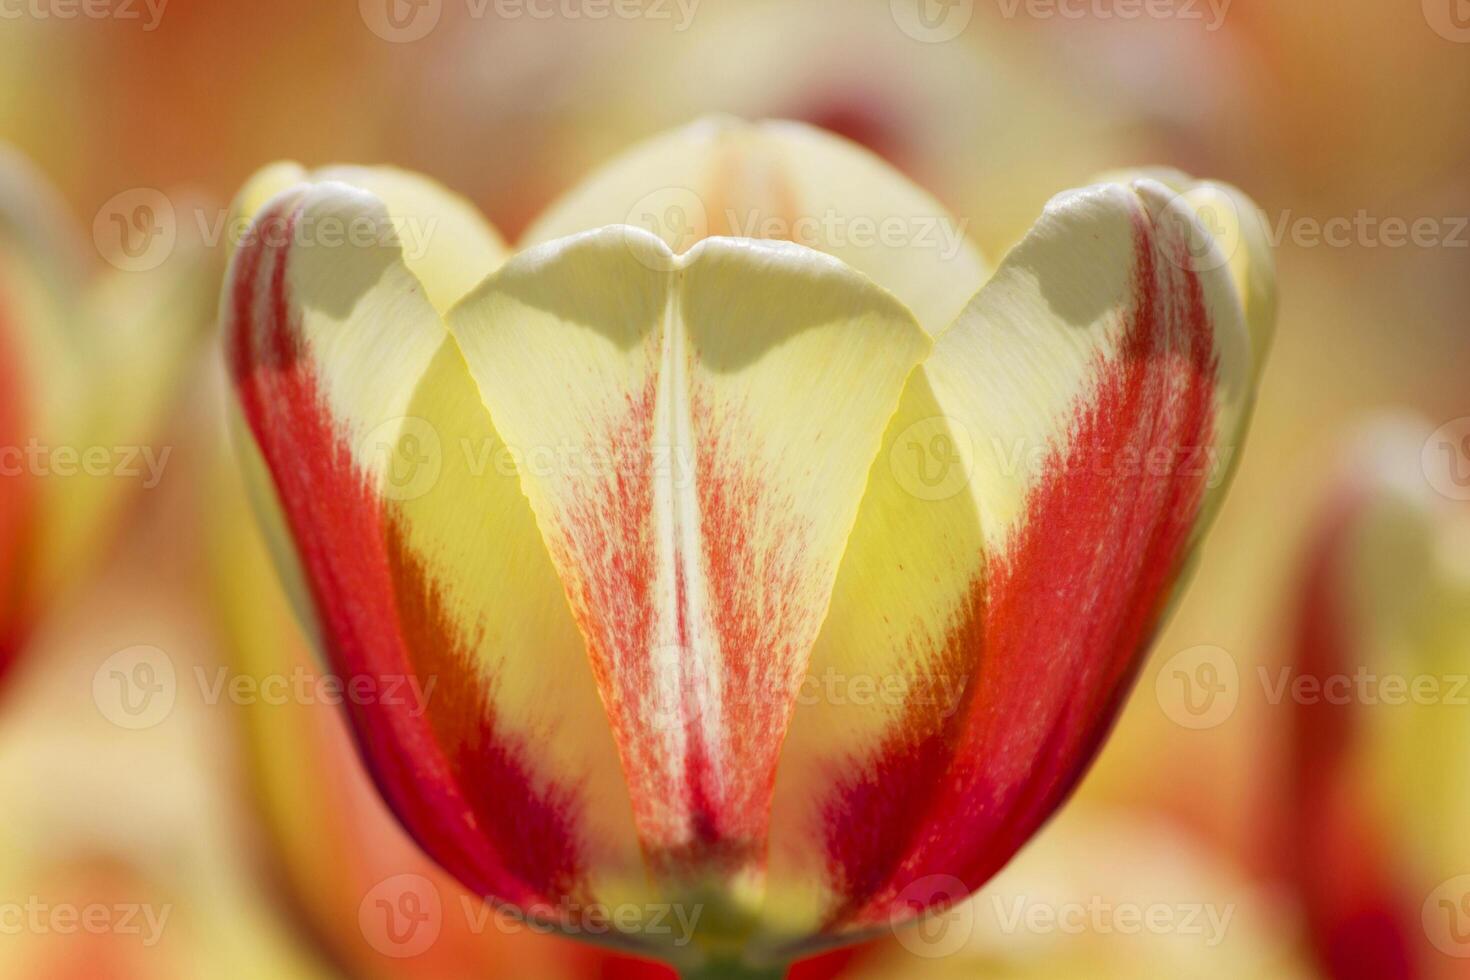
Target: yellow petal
[(783, 180), (694, 433), (445, 240), (1037, 495), (421, 558)]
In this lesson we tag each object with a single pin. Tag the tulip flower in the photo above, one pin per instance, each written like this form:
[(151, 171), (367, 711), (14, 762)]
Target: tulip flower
[(1377, 694), (780, 569), (86, 366)]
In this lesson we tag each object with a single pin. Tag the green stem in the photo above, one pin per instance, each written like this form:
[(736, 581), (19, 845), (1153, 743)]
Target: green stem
[(733, 970)]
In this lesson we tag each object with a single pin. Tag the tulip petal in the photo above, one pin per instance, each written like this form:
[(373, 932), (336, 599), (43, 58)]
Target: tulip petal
[(17, 503), (40, 276), (783, 180), (1036, 496), (1382, 597), (423, 562), (694, 433)]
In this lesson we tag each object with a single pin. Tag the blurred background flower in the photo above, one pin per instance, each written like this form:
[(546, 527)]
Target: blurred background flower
[(1376, 782), (1347, 128)]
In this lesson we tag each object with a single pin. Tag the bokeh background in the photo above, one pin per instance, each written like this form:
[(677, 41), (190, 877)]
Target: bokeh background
[(251, 826)]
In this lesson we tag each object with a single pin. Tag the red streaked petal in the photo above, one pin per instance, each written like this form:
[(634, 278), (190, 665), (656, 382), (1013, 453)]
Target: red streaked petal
[(1017, 603), (336, 354)]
